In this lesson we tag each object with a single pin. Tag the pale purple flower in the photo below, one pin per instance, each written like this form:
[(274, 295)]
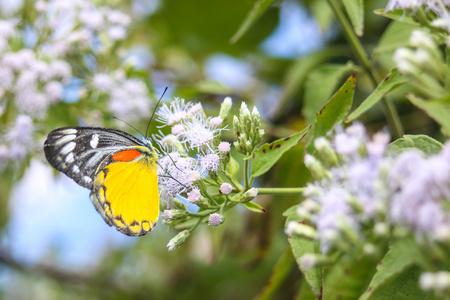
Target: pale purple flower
[(42, 70), (215, 219), (210, 162), (225, 188), (26, 80), (334, 214), (419, 187), (224, 147), (215, 122), (167, 142), (195, 109), (194, 196)]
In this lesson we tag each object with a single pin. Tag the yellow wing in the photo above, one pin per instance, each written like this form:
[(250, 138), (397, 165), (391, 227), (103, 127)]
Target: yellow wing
[(126, 195)]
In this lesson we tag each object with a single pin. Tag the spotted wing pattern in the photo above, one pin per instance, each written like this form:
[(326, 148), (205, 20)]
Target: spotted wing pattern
[(118, 168), (79, 152)]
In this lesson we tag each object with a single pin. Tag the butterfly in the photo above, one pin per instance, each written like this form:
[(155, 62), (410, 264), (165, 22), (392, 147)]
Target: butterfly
[(119, 169)]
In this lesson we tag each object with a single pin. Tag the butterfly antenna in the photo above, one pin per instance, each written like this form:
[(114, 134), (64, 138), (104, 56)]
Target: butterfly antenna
[(114, 117), (156, 106)]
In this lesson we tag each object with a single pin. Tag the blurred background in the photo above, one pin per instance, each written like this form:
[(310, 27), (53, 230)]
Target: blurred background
[(54, 245)]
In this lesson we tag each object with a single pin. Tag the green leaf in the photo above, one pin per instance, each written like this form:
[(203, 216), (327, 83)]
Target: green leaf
[(438, 110), (397, 15), (334, 111), (322, 14), (349, 277), (392, 80), (419, 142), (319, 87), (291, 214), (268, 154), (313, 276), (254, 207), (396, 35), (301, 68), (396, 276), (355, 11), (300, 247), (258, 9)]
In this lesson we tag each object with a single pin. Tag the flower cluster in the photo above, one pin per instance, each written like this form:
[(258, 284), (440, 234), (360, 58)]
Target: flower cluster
[(424, 63), (441, 18), (35, 83), (361, 192), (193, 156), (55, 52), (128, 97), (196, 165), (71, 26)]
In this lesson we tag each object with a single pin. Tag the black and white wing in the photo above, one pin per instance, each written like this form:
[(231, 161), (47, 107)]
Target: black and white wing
[(79, 152)]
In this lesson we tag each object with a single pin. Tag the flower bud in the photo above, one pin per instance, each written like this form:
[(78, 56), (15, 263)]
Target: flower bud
[(174, 214), (249, 195), (315, 167), (297, 229), (225, 107), (178, 240)]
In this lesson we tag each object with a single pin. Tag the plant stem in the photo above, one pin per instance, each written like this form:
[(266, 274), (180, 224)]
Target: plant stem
[(389, 109), (262, 191), (246, 171)]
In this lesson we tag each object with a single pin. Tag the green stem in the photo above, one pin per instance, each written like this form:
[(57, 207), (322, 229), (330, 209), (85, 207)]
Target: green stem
[(196, 225), (392, 116), (246, 171), (262, 191)]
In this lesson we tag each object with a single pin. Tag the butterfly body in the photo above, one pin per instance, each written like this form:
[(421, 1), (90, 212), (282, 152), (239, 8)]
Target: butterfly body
[(118, 168)]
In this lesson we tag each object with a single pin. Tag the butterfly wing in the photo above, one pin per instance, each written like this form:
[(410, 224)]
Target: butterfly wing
[(118, 168), (79, 152), (126, 195)]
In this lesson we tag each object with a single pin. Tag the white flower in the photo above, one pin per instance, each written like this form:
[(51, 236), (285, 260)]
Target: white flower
[(8, 28), (174, 173), (92, 19), (117, 17), (173, 114), (32, 103), (198, 134), (54, 91), (61, 69), (102, 82), (20, 138), (210, 162), (6, 77), (117, 32)]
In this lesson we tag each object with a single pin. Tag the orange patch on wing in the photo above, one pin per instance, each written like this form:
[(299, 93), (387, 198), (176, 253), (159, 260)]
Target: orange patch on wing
[(126, 156)]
